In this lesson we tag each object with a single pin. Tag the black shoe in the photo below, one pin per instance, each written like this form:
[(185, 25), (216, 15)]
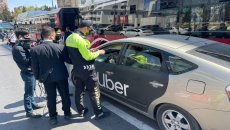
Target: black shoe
[(83, 112), (38, 106), (53, 121), (69, 116), (100, 116), (33, 115)]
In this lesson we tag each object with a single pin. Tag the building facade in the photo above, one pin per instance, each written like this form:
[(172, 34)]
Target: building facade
[(67, 3), (152, 12), (194, 12), (3, 5)]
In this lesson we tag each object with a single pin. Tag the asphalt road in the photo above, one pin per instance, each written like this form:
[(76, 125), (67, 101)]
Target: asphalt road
[(12, 115)]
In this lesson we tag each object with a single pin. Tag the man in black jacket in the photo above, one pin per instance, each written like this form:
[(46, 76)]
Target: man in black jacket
[(48, 66), (21, 56)]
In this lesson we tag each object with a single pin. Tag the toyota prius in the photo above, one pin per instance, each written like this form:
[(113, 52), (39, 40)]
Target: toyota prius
[(182, 82)]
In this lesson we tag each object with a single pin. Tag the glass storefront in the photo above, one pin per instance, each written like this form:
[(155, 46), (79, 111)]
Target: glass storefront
[(195, 13)]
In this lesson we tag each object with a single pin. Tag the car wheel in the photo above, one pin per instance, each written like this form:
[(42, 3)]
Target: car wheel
[(122, 34), (171, 117), (137, 35)]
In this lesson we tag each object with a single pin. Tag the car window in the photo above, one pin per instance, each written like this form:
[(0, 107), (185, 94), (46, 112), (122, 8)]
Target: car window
[(178, 65), (112, 54), (142, 57), (217, 53)]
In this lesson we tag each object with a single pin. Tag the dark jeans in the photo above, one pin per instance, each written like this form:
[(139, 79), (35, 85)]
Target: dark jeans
[(30, 83), (93, 89), (63, 89)]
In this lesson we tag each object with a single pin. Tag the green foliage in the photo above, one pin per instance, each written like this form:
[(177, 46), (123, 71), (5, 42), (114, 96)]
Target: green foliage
[(22, 9), (6, 15)]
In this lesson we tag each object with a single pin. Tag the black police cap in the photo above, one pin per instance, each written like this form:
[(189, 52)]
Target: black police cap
[(85, 23)]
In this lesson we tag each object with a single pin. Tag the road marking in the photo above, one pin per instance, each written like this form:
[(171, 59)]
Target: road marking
[(132, 120)]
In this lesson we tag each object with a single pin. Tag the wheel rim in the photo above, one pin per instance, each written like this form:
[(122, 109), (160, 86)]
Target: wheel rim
[(174, 120)]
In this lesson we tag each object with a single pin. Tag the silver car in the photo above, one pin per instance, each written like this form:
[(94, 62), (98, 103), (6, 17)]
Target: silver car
[(182, 82)]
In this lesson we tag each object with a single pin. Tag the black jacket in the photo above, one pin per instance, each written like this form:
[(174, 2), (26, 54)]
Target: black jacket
[(81, 66), (22, 58), (48, 62)]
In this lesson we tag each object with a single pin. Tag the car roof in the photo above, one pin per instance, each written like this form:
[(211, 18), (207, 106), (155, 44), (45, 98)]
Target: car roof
[(169, 41)]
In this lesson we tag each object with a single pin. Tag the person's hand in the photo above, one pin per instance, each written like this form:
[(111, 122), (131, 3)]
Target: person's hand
[(101, 52), (93, 49)]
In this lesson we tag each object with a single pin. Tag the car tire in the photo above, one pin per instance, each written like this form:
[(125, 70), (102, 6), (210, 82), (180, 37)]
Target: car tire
[(122, 34), (172, 116), (137, 35)]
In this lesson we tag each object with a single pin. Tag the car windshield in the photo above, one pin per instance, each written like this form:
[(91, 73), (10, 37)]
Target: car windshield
[(217, 53)]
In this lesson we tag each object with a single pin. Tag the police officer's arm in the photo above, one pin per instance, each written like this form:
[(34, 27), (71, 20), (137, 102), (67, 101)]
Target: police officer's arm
[(20, 56), (34, 64), (85, 52)]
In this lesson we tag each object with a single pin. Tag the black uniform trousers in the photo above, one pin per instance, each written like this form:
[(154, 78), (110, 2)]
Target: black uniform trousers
[(91, 84), (63, 88)]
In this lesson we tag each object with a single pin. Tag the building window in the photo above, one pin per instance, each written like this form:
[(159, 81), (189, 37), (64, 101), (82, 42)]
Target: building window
[(112, 13), (132, 9), (92, 7), (115, 7)]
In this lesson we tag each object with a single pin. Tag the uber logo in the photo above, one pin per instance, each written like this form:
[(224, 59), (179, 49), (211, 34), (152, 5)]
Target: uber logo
[(109, 84)]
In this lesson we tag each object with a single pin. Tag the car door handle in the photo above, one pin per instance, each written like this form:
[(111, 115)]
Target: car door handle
[(109, 72), (156, 84)]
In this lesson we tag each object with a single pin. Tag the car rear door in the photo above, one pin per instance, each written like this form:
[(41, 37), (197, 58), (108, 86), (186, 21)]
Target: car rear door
[(144, 74)]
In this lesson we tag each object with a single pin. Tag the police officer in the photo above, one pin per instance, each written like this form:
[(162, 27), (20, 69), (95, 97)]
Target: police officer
[(84, 71), (21, 56)]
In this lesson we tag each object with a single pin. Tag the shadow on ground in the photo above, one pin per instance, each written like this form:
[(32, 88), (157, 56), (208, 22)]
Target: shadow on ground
[(18, 121), (21, 103)]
